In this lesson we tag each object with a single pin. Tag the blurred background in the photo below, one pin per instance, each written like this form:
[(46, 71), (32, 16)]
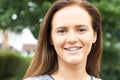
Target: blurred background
[(19, 26)]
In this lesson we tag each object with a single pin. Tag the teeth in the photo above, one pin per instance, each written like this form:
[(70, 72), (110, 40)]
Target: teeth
[(72, 49)]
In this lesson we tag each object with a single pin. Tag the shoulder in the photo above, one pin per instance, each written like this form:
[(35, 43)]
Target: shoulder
[(94, 78), (41, 77)]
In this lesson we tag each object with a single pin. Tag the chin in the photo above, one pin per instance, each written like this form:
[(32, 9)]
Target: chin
[(74, 61)]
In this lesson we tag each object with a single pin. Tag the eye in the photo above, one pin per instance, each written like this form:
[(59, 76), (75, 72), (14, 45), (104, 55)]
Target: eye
[(61, 31), (81, 30)]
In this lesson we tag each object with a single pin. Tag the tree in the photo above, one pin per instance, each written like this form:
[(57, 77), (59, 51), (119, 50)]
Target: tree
[(28, 13), (111, 27), (18, 14), (15, 15)]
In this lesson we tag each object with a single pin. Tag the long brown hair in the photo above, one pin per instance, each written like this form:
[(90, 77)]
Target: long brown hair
[(45, 58)]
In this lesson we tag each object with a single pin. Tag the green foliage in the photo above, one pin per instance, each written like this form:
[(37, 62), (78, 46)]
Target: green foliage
[(8, 62), (43, 9), (30, 14), (7, 9), (111, 27), (110, 12), (110, 63), (12, 65)]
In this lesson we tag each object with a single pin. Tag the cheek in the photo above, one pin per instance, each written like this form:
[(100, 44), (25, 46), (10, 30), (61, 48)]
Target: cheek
[(58, 46), (87, 40), (57, 41)]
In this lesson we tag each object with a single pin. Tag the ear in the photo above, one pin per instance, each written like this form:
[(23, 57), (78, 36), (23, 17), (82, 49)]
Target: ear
[(94, 37)]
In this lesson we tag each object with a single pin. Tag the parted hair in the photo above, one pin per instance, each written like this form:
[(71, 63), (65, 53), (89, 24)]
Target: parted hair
[(45, 58)]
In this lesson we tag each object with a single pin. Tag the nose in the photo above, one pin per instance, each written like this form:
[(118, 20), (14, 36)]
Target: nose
[(72, 38)]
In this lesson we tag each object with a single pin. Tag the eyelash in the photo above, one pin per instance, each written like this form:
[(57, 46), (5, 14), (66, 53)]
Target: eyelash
[(81, 30), (62, 31)]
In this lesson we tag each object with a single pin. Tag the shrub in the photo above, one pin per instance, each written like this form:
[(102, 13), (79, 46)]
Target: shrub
[(110, 63), (9, 62), (12, 65)]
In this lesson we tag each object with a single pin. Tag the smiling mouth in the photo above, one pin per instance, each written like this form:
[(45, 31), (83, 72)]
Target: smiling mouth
[(73, 48)]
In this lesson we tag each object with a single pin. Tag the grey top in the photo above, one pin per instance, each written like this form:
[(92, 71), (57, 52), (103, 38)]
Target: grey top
[(48, 77)]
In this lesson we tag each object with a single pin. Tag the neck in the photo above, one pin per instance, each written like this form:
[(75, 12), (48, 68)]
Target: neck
[(71, 72)]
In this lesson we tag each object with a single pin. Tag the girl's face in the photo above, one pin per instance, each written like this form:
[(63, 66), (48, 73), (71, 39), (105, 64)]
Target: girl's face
[(72, 34)]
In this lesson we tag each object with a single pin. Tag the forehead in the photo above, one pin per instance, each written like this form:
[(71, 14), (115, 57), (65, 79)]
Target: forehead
[(73, 14)]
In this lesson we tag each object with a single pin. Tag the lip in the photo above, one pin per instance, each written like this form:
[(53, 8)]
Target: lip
[(73, 50)]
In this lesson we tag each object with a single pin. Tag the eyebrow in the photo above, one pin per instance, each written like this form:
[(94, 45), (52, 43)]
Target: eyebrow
[(80, 25), (74, 26), (65, 27)]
